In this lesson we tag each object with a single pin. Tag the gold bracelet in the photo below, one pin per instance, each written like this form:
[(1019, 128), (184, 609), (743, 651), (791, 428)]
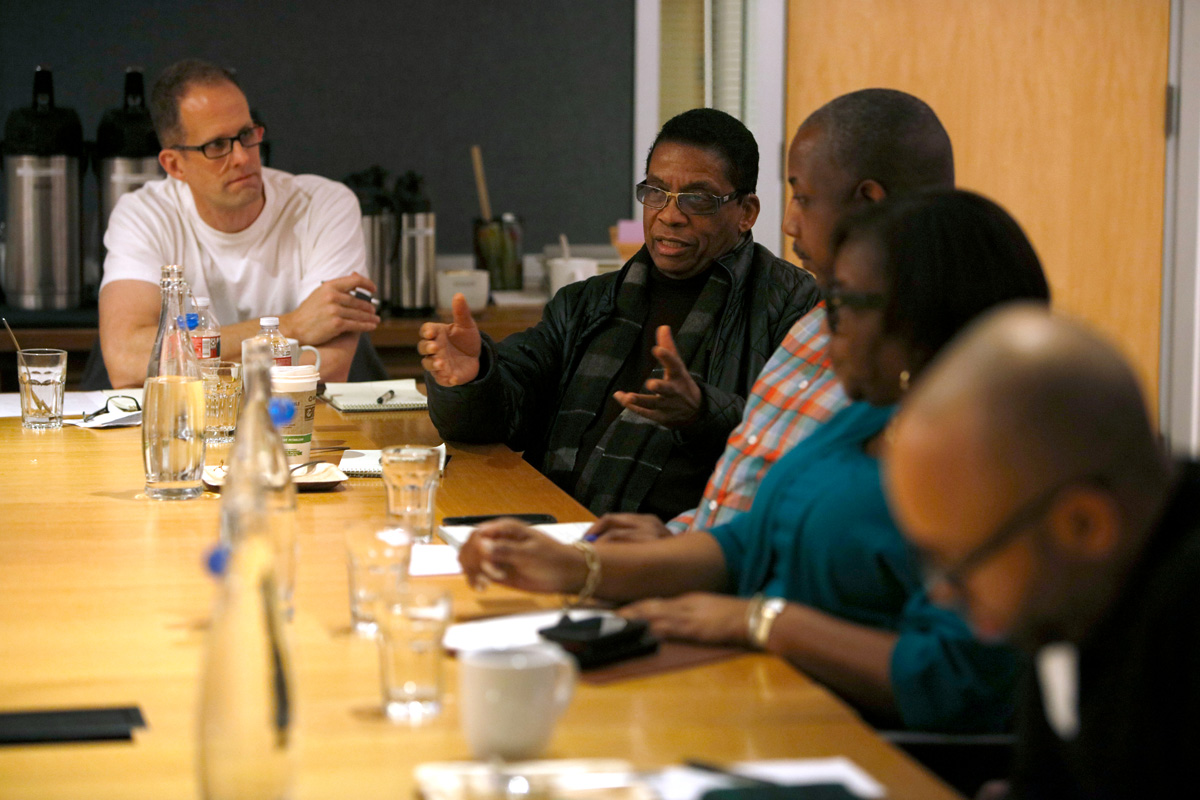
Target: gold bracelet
[(593, 567), (753, 614), (768, 610)]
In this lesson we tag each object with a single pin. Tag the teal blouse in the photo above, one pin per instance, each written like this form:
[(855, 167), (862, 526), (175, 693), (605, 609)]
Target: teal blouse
[(819, 533)]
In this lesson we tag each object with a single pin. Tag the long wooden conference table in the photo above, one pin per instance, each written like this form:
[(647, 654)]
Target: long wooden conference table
[(104, 601)]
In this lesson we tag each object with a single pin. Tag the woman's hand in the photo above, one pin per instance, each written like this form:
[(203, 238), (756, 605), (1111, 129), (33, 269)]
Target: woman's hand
[(624, 527), (510, 552), (696, 616)]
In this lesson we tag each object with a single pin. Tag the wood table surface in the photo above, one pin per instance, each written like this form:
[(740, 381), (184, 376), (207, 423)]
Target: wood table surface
[(104, 600)]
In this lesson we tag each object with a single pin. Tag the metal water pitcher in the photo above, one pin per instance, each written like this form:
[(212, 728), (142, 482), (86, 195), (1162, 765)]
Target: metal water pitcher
[(43, 146)]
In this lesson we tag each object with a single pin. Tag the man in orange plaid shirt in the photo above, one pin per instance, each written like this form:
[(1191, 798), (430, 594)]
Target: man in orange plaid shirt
[(857, 149)]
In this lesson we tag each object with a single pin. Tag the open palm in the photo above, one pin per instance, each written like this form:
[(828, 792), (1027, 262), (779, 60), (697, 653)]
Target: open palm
[(450, 352)]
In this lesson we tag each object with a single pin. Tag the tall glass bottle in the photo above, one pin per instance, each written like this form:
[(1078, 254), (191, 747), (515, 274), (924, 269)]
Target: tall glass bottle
[(257, 464), (246, 690), (173, 408)]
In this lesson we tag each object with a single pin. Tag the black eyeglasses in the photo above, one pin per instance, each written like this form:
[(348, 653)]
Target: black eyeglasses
[(122, 402), (699, 204), (1018, 523), (837, 298), (251, 136)]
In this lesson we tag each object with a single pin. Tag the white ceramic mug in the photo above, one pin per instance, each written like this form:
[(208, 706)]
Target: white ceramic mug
[(474, 284), (561, 271), (510, 699), (297, 348)]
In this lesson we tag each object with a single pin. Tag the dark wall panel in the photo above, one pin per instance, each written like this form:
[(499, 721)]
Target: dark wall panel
[(545, 86)]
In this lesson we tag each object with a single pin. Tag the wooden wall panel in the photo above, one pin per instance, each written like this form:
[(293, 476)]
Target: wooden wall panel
[(1056, 110)]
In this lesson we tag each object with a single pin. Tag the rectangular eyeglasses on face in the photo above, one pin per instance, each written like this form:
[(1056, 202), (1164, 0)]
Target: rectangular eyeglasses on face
[(250, 136), (699, 204)]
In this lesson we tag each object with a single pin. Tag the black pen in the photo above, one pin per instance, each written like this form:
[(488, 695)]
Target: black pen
[(717, 769), (383, 398)]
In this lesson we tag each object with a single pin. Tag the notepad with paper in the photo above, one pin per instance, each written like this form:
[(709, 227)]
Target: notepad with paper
[(401, 395)]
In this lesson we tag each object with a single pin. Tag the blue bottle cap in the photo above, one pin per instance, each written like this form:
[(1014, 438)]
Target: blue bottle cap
[(281, 409), (217, 559), (193, 321)]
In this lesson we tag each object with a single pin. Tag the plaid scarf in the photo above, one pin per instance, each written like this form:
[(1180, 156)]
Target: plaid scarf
[(633, 450)]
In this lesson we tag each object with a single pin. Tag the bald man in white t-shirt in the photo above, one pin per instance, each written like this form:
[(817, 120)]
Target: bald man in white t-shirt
[(255, 241)]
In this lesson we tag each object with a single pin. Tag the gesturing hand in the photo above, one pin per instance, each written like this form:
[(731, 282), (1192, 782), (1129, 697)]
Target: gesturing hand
[(696, 616), (512, 553), (450, 353), (674, 399), (331, 311)]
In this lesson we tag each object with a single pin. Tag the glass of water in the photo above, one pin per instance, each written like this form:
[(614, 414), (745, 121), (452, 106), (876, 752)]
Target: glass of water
[(42, 374), (410, 474), (377, 557), (222, 399), (412, 622)]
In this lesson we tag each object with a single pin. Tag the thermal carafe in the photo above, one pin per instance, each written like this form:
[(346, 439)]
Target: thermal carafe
[(414, 268), (43, 146), (126, 152), (379, 235)]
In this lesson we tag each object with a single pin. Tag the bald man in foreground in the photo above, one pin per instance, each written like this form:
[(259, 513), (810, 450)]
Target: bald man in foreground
[(1026, 469)]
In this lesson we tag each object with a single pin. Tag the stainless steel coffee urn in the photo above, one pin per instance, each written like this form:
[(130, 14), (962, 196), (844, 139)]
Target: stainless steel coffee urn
[(414, 265), (126, 152), (42, 148), (379, 235)]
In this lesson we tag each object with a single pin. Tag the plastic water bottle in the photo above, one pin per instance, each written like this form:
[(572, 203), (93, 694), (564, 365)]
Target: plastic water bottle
[(206, 336), (173, 408), (257, 464), (246, 717), (280, 349)]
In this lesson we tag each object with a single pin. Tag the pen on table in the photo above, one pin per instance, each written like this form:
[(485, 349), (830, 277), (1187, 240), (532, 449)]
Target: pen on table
[(383, 398), (717, 769)]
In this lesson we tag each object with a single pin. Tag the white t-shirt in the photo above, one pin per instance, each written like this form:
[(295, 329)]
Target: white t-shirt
[(309, 231)]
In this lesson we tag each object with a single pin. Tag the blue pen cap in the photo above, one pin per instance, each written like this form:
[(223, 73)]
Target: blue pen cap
[(281, 409)]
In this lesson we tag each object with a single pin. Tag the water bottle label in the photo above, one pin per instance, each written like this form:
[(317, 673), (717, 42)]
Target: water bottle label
[(207, 346), (283, 361)]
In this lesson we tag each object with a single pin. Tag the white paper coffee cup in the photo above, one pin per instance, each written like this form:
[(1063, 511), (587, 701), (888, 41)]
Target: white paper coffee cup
[(299, 384)]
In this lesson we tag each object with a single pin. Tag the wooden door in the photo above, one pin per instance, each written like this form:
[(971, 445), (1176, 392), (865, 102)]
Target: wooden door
[(1056, 110)]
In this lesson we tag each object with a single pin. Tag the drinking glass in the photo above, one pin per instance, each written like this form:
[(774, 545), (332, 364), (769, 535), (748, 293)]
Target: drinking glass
[(42, 374), (410, 474), (222, 399), (411, 623), (377, 558)]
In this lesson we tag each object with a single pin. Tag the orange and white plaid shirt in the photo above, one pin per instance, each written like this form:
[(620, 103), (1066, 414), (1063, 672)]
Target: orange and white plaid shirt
[(795, 393)]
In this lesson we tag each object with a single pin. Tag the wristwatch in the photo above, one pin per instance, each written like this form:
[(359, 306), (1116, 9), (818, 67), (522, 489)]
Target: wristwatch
[(762, 619)]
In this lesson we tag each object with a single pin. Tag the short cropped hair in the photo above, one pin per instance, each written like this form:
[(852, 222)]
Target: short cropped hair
[(715, 130), (174, 82), (887, 136), (947, 256)]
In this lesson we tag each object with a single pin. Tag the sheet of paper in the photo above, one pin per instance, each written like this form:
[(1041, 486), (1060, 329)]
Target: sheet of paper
[(74, 403), (513, 630), (434, 559), (366, 462), (685, 783), (565, 532)]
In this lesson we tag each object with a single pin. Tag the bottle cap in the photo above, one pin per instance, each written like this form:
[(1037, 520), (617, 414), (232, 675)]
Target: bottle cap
[(217, 559), (269, 322), (281, 409), (193, 321), (201, 302)]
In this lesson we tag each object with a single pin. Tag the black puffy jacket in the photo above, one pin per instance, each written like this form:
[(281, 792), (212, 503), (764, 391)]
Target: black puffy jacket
[(516, 397)]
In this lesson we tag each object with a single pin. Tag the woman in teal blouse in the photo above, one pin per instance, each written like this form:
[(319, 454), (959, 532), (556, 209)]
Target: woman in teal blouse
[(819, 571)]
